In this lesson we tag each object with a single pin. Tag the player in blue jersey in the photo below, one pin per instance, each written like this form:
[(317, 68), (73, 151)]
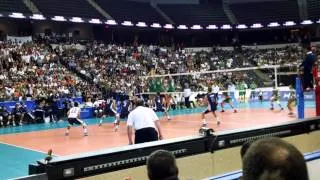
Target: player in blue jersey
[(212, 103), (159, 105)]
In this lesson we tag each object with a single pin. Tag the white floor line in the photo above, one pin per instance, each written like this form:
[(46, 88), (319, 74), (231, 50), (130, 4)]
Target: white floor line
[(27, 148)]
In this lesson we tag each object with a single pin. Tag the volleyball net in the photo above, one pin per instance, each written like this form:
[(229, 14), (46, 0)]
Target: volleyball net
[(247, 83)]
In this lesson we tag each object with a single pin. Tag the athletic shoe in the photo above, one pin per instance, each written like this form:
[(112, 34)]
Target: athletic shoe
[(218, 123), (204, 125), (291, 113), (116, 128), (20, 124), (66, 134), (282, 109), (271, 109), (85, 134), (222, 111), (235, 111)]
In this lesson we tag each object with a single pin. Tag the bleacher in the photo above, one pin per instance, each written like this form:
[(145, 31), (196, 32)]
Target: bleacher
[(266, 12), (13, 6), (191, 14), (313, 9), (68, 8), (123, 10)]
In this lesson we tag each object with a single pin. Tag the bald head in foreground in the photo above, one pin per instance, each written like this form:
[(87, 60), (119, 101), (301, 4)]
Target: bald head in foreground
[(273, 159)]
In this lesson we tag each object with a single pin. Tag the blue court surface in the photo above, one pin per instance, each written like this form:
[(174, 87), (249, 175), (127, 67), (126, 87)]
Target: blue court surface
[(15, 160)]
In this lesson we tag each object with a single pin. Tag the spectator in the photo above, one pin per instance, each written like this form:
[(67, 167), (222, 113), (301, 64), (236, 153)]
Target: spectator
[(161, 165), (273, 159)]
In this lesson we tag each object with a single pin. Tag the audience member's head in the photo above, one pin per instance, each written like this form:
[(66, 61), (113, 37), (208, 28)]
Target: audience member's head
[(273, 159), (161, 165)]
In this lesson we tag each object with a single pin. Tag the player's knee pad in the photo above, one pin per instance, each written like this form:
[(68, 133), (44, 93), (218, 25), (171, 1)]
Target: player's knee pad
[(96, 111), (100, 111), (1, 118)]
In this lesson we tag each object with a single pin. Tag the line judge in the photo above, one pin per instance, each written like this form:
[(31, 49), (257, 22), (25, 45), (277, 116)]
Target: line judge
[(146, 124)]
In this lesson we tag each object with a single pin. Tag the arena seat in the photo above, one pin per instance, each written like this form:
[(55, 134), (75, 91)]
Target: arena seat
[(68, 8), (13, 6), (313, 9), (191, 14), (265, 12), (123, 10)]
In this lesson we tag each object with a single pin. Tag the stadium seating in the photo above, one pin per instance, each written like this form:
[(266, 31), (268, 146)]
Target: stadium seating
[(314, 9), (123, 10), (13, 6), (264, 12), (68, 8), (191, 14)]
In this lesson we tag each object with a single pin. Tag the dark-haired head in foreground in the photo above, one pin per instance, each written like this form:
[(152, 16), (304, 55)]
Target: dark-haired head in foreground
[(273, 159), (161, 165)]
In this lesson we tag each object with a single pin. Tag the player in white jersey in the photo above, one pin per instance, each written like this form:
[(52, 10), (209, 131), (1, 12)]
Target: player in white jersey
[(74, 118)]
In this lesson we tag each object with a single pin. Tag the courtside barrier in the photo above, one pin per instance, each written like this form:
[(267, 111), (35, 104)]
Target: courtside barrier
[(109, 160)]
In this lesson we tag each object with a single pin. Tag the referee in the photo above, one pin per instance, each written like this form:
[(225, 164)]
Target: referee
[(145, 122)]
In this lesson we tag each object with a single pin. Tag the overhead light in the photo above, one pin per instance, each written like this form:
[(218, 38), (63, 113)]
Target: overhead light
[(226, 26), (156, 25), (127, 23), (289, 23), (306, 22), (141, 24), (76, 20), (37, 17), (273, 24), (1, 15), (17, 15), (212, 27), (182, 27), (58, 18), (318, 21), (256, 25), (111, 22), (196, 27), (95, 21), (242, 26), (168, 26)]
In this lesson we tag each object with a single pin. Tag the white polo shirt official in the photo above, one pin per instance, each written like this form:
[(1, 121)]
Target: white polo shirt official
[(142, 117)]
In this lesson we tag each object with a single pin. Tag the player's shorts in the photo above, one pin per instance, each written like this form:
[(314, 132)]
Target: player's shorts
[(227, 100), (160, 110), (124, 115), (211, 109), (275, 98), (292, 102), (73, 121)]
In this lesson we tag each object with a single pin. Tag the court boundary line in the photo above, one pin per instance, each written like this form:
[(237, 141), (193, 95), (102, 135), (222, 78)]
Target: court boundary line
[(26, 148)]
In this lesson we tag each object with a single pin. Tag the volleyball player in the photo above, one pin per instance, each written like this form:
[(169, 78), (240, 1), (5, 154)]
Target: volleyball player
[(275, 98), (116, 107), (125, 109), (99, 110), (227, 100), (211, 101), (74, 118), (107, 109), (291, 101), (159, 105)]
